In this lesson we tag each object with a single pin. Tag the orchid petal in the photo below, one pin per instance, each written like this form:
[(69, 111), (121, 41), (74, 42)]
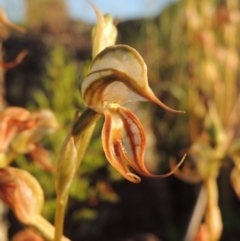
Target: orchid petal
[(12, 121), (113, 147), (123, 69), (45, 123), (124, 142), (41, 157)]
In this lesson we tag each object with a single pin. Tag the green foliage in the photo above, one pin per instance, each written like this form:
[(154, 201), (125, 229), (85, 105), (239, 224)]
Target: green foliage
[(85, 214)]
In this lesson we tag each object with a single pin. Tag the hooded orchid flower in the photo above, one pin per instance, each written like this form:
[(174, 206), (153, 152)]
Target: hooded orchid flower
[(118, 75)]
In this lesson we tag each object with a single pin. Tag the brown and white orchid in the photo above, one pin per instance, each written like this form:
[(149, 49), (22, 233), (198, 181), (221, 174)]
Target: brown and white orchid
[(118, 75)]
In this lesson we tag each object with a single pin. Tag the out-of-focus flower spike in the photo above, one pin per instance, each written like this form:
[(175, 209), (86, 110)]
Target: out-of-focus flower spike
[(4, 20), (104, 33)]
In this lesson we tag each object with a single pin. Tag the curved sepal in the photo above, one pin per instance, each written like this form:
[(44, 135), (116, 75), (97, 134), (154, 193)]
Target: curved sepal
[(118, 74)]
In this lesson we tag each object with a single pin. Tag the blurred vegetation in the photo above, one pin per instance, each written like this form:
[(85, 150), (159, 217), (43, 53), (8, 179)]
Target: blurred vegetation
[(192, 53)]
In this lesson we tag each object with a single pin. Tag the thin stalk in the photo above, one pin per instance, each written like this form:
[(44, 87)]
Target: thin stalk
[(45, 228), (59, 216)]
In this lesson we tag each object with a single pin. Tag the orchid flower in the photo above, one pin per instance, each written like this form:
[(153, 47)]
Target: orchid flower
[(118, 75), (24, 195), (21, 192), (21, 131), (13, 120)]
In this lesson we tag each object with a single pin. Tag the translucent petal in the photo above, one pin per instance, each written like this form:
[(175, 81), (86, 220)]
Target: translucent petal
[(134, 143), (118, 63), (124, 142), (113, 148), (12, 121), (108, 87)]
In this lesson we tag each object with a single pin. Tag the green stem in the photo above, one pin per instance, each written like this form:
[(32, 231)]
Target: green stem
[(59, 216), (45, 228)]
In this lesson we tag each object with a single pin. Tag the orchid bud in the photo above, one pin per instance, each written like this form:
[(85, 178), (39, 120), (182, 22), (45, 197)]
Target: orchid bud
[(22, 193), (66, 166), (104, 33)]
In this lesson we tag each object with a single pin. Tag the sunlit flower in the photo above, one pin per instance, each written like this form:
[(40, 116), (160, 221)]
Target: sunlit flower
[(21, 192), (118, 75), (13, 120), (21, 132), (24, 195)]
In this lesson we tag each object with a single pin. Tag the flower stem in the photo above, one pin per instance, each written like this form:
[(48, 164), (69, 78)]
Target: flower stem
[(59, 216), (45, 228)]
